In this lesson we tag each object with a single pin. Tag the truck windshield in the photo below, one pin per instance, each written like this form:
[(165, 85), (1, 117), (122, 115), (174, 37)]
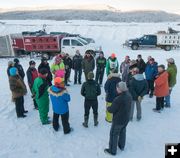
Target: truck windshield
[(83, 41)]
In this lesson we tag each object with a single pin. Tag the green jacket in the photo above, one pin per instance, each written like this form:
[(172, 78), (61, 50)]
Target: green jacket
[(172, 72), (90, 90), (112, 64), (40, 88), (55, 67)]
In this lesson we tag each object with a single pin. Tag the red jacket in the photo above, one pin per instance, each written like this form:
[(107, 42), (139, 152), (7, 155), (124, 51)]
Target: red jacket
[(161, 85)]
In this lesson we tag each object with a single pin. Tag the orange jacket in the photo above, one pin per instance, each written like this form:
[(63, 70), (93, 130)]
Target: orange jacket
[(161, 85)]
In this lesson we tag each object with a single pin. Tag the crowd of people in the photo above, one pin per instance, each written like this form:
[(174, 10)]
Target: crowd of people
[(126, 85)]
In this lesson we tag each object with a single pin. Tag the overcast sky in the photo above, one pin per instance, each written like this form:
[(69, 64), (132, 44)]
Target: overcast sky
[(124, 5)]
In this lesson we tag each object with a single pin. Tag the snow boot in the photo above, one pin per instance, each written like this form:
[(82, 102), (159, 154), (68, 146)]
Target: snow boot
[(107, 151), (85, 123), (96, 120)]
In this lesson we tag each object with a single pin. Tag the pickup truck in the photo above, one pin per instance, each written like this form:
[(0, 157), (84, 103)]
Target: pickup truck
[(165, 41)]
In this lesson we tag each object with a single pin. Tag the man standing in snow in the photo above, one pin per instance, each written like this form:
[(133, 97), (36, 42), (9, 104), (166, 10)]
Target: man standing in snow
[(19, 68), (124, 69), (172, 74), (100, 65), (140, 64), (120, 109), (138, 88)]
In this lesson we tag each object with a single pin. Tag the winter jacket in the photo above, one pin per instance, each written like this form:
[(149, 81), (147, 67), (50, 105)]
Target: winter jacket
[(47, 67), (161, 85), (101, 63), (172, 73), (59, 98), (77, 62), (111, 64), (90, 90), (138, 86), (110, 86), (32, 74), (88, 64), (58, 70), (151, 71), (67, 63), (121, 107), (20, 70), (17, 87), (8, 73), (124, 69), (141, 65)]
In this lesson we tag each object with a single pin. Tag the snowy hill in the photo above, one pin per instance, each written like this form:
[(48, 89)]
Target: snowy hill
[(27, 138), (106, 13)]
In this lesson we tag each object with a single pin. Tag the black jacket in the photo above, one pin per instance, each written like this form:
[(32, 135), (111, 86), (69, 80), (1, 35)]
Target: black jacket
[(110, 87), (20, 70), (141, 65), (90, 90), (138, 86), (68, 63), (120, 108), (77, 62), (46, 66), (101, 63)]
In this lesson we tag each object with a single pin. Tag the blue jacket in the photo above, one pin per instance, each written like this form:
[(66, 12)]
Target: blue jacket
[(110, 87), (151, 71), (59, 98)]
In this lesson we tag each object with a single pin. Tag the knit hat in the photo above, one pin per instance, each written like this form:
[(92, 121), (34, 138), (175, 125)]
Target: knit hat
[(90, 75), (58, 80), (58, 59), (13, 71), (32, 62), (139, 56), (113, 55), (16, 60), (122, 86), (162, 66), (43, 71), (171, 61), (10, 63)]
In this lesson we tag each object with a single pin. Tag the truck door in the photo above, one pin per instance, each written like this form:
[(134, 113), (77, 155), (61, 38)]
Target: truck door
[(65, 45), (77, 45), (148, 41)]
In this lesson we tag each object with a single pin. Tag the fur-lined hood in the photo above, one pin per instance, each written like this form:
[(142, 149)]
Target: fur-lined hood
[(113, 75), (57, 91)]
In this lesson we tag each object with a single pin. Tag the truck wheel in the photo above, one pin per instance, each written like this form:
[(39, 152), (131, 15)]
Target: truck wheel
[(167, 48), (134, 47)]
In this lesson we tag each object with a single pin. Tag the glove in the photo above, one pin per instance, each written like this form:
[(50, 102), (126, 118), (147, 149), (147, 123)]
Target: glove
[(140, 98)]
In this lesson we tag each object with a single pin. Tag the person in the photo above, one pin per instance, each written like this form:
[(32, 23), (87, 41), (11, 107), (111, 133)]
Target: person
[(100, 67), (90, 90), (141, 64), (151, 72), (58, 68), (161, 88), (172, 74), (124, 69), (138, 89), (88, 64), (10, 65), (68, 66), (112, 64), (39, 89), (19, 68), (32, 74), (77, 66), (44, 64), (148, 59), (18, 90), (110, 90), (60, 98), (121, 107)]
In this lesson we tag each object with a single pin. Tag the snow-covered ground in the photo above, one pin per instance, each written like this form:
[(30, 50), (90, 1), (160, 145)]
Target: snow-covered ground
[(21, 138)]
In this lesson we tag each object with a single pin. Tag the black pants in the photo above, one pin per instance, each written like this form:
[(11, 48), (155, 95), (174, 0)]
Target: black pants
[(67, 75), (99, 75), (19, 103), (159, 103), (150, 86), (77, 76), (117, 137), (87, 106), (65, 122)]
